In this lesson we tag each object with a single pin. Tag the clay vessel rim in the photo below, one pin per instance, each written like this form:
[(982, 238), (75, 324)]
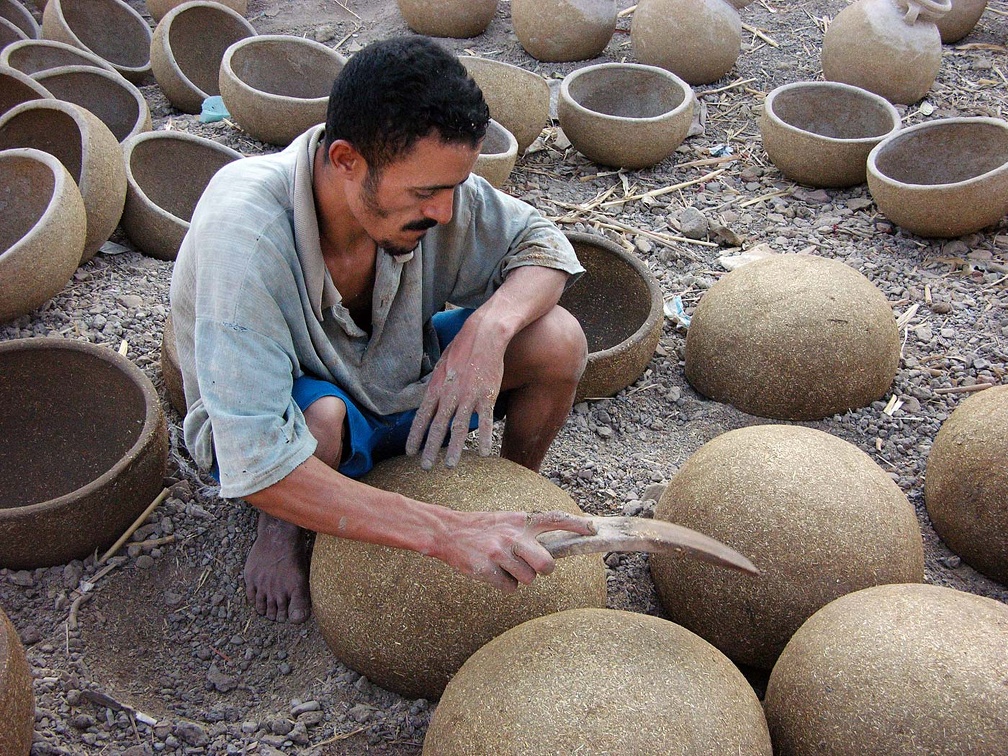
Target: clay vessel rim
[(512, 148), (25, 14), (13, 47), (60, 175), (503, 65), (864, 94), (137, 377), (688, 95), (932, 9), (143, 110), (58, 9), (886, 143), (272, 38), (29, 81), (14, 28)]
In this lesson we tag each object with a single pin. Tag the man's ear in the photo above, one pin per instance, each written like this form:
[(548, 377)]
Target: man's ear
[(346, 160)]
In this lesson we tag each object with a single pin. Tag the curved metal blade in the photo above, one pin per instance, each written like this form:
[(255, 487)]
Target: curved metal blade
[(642, 534)]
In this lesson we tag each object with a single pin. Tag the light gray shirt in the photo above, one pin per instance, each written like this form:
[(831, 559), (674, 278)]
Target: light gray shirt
[(254, 308)]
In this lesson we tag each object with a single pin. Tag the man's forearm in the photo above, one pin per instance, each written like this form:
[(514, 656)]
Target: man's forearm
[(528, 293)]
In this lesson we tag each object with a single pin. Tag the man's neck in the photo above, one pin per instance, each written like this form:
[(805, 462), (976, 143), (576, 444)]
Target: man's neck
[(340, 233)]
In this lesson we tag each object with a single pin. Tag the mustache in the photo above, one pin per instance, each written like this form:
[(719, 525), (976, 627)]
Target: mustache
[(420, 225)]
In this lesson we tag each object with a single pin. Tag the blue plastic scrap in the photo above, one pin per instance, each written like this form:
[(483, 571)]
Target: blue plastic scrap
[(675, 312), (213, 110)]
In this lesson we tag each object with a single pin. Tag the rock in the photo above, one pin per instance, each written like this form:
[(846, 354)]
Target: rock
[(190, 733), (692, 223)]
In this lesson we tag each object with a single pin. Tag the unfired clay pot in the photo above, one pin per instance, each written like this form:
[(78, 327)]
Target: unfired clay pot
[(118, 103), (619, 305), (563, 30), (166, 173), (625, 115), (171, 370), (448, 18), (942, 178), (518, 99), (158, 8), (890, 47), (699, 40), (87, 149), (959, 21), (10, 33), (16, 87), (276, 86), (42, 222), (17, 699), (819, 133), (33, 55), (21, 17), (188, 46), (497, 155)]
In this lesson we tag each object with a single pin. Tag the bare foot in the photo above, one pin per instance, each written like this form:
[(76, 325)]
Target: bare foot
[(276, 571)]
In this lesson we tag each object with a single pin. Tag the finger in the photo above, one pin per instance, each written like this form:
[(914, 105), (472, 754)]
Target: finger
[(421, 421), (535, 556), (541, 522), (459, 431), (485, 429), (498, 578), (517, 567), (435, 437)]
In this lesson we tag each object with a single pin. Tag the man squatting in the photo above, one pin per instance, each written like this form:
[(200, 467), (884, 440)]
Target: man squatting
[(308, 301)]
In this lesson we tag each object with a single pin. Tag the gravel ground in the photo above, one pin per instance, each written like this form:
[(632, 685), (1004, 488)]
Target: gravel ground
[(162, 654)]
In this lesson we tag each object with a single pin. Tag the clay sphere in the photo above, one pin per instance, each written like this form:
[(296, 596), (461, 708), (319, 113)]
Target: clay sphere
[(497, 155), (276, 86), (558, 31), (166, 173), (116, 102), (597, 681), (17, 699), (187, 49), (625, 115), (942, 178), (15, 13), (408, 622), (699, 40), (961, 20), (966, 486), (110, 29), (448, 18), (813, 512), (899, 669), (518, 99), (87, 149), (100, 462), (16, 87), (793, 337), (171, 370), (619, 305), (41, 230), (33, 55), (158, 8), (819, 133)]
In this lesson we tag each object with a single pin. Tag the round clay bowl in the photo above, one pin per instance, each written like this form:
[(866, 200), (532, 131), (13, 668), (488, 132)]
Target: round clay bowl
[(619, 305), (118, 104), (497, 155), (563, 30), (110, 29), (942, 178), (33, 55), (188, 47), (819, 133), (41, 230), (87, 149), (84, 446), (17, 699), (171, 370), (961, 20), (448, 18), (15, 13), (158, 8), (625, 115), (277, 86), (10, 33), (16, 87), (518, 99), (166, 173)]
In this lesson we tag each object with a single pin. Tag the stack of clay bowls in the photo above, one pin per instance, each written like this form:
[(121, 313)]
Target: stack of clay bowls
[(159, 8), (497, 154), (447, 18), (518, 99), (16, 87), (16, 23), (119, 104), (33, 55)]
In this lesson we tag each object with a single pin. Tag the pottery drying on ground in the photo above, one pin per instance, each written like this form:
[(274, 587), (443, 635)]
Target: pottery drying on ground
[(563, 30), (448, 18), (966, 484), (961, 20), (699, 40), (166, 173), (171, 370), (497, 155), (598, 681), (276, 86), (625, 115), (814, 513), (9, 33), (158, 8), (110, 29), (188, 47), (942, 178), (33, 55), (619, 305), (42, 222), (793, 337), (518, 99), (16, 87), (897, 669), (119, 104), (15, 12), (819, 133), (84, 449), (407, 621), (890, 47), (17, 699)]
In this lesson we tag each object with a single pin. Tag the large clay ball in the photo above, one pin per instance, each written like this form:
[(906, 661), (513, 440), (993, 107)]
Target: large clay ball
[(17, 700), (793, 337), (597, 681), (896, 669), (966, 486), (813, 512), (408, 622)]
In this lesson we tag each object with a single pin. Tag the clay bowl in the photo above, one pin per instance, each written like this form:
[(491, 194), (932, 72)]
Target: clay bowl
[(84, 449), (460, 19), (110, 29), (819, 133), (118, 104), (943, 178), (518, 99), (619, 305), (10, 33), (15, 13), (16, 87), (497, 155), (158, 8), (625, 115), (166, 173), (188, 46), (171, 370), (87, 149), (276, 86), (33, 55), (17, 699), (41, 231)]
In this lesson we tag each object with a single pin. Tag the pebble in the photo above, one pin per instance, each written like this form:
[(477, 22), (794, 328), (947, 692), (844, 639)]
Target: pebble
[(693, 223)]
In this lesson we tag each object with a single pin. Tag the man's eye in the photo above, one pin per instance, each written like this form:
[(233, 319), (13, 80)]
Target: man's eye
[(424, 194)]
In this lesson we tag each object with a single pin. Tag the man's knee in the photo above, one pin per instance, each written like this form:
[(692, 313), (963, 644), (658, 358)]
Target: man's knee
[(326, 419), (554, 347)]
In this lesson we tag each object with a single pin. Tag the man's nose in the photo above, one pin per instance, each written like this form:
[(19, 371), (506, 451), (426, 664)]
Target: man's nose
[(440, 206)]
